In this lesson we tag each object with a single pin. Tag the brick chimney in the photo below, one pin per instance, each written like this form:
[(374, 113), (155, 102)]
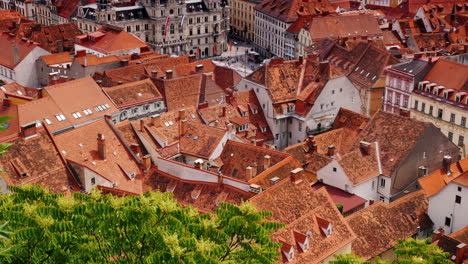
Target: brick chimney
[(169, 74), (101, 143), (182, 114), (147, 162), (365, 147), (312, 147), (437, 234), (135, 148), (446, 162), (183, 127), (123, 63), (154, 73), (220, 178), (223, 111), (295, 175), (249, 172), (28, 129), (266, 161), (254, 169), (156, 120), (460, 253), (142, 125), (198, 164), (331, 150), (199, 68), (192, 58), (82, 53)]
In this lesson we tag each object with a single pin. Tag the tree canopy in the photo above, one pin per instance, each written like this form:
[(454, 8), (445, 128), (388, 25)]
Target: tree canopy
[(409, 251), (151, 228)]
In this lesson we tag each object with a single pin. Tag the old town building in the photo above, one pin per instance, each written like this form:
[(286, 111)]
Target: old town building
[(243, 18), (441, 98)]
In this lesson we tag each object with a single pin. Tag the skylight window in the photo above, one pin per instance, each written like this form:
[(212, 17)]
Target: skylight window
[(357, 68), (77, 115), (166, 124), (189, 135), (19, 92), (170, 123), (47, 120), (60, 117), (195, 137), (87, 111), (107, 106), (193, 116)]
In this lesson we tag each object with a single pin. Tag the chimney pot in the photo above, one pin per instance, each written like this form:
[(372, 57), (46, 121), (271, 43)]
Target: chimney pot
[(295, 175), (147, 162), (182, 114), (154, 73), (101, 146), (142, 125), (124, 62), (199, 68), (156, 120), (365, 147), (169, 74), (249, 172), (446, 162), (266, 161), (331, 150), (192, 58), (198, 164)]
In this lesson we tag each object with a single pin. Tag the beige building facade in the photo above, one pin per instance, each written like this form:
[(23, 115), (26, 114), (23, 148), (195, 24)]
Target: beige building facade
[(243, 18)]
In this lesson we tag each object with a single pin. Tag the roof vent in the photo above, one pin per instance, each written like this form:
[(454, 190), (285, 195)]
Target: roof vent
[(255, 188), (274, 180)]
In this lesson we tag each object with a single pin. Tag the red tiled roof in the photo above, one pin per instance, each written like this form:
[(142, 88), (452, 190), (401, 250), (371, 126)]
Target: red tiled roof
[(80, 146), (358, 25), (380, 226), (436, 181), (200, 140), (131, 94), (289, 10), (7, 44), (112, 41), (457, 79), (348, 200)]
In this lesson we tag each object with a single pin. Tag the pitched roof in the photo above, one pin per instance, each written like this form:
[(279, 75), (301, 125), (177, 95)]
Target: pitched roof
[(108, 40), (436, 181), (182, 92), (67, 99), (348, 200), (289, 10), (360, 166), (358, 25), (80, 146), (349, 119), (457, 79), (413, 67), (57, 58), (200, 140), (135, 93), (396, 136), (380, 226), (190, 68), (226, 77), (7, 47), (299, 207), (36, 161)]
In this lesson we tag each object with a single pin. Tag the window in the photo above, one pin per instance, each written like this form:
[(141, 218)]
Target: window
[(424, 155), (431, 109), (137, 27), (300, 126), (459, 189), (334, 169), (389, 97), (450, 136), (47, 121), (416, 104), (382, 183), (458, 199), (290, 135), (423, 108), (276, 136), (440, 114), (373, 185), (448, 221), (93, 180), (452, 118), (171, 29), (463, 121), (129, 29), (460, 141)]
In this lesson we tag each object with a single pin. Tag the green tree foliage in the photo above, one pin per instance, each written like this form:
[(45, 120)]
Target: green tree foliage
[(151, 228), (409, 251), (3, 126)]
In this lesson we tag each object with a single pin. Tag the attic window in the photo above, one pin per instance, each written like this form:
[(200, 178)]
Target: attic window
[(362, 71), (195, 137), (77, 115), (60, 117), (189, 135), (166, 124), (87, 111), (193, 116), (170, 123), (47, 120), (373, 78), (357, 68)]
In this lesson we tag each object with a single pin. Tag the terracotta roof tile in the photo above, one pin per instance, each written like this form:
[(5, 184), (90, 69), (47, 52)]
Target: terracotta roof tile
[(380, 226), (200, 140), (360, 166), (36, 161), (135, 93), (57, 58), (299, 206), (359, 25), (111, 40), (226, 77), (457, 80), (289, 10), (7, 44), (349, 119), (436, 181), (182, 92), (190, 68), (80, 146)]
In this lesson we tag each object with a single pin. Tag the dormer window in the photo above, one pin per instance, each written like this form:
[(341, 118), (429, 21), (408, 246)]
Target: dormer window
[(243, 127), (60, 117), (243, 113), (457, 98)]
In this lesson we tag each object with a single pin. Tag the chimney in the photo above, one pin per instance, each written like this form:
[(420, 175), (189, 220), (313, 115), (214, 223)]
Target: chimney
[(301, 60), (101, 142), (16, 56), (192, 58), (119, 82), (331, 150), (142, 125), (446, 162), (182, 114), (199, 68), (249, 173), (80, 53), (254, 169), (156, 120), (124, 63), (198, 164), (365, 147), (154, 73), (147, 162), (311, 144), (422, 170), (28, 129), (169, 74), (85, 61), (460, 253), (220, 178), (266, 161), (6, 102), (183, 127), (135, 148), (404, 112), (437, 234), (296, 175)]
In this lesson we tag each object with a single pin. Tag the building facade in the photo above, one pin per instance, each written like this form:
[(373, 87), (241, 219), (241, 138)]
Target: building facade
[(441, 99), (242, 18), (169, 27), (400, 82), (23, 7)]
